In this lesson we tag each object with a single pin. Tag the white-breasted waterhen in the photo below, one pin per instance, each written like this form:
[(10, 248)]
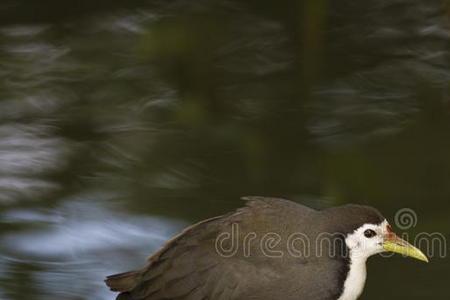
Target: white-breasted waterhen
[(270, 249)]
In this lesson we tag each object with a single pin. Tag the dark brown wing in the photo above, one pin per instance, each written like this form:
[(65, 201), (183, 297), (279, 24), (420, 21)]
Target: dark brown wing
[(187, 267)]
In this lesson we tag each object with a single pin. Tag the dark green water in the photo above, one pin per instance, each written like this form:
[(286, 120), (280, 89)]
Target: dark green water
[(122, 123)]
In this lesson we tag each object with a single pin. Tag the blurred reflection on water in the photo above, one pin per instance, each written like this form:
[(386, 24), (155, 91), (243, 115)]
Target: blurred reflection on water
[(122, 122), (28, 152), (77, 243)]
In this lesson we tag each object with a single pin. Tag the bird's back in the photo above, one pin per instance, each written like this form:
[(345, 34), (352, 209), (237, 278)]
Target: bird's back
[(237, 256)]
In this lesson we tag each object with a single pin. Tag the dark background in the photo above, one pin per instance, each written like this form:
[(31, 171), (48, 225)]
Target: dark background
[(123, 121)]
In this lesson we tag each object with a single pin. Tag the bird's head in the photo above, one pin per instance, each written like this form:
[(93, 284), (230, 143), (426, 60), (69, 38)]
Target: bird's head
[(368, 233), (370, 239)]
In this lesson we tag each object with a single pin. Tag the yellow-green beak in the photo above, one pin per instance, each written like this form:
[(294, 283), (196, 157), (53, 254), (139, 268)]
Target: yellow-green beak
[(393, 243)]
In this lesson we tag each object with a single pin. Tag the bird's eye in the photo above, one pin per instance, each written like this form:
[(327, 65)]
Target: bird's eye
[(369, 233)]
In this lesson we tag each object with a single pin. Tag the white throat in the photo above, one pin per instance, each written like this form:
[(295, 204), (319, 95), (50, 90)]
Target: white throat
[(361, 246), (356, 278)]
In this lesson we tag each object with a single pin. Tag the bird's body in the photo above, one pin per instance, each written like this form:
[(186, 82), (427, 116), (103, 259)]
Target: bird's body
[(269, 250)]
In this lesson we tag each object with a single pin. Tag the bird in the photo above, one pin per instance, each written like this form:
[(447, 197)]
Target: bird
[(269, 249)]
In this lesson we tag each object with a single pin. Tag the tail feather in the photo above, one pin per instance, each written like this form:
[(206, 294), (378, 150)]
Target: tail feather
[(123, 282), (124, 296)]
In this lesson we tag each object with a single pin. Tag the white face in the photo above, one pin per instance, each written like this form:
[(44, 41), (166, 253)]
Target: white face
[(367, 240)]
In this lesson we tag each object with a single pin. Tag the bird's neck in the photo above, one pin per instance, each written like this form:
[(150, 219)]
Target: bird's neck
[(356, 278)]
